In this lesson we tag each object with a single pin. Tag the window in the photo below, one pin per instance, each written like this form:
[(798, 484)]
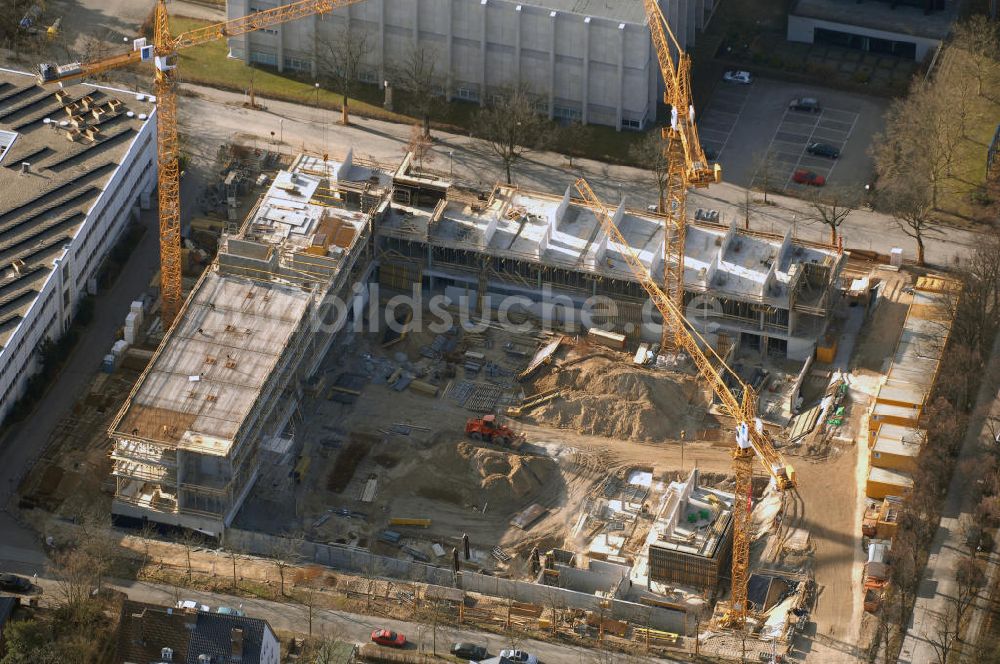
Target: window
[(264, 58), (467, 93), (298, 63), (631, 124), (565, 113)]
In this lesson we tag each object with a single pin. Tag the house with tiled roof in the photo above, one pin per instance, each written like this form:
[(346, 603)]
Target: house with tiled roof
[(151, 634)]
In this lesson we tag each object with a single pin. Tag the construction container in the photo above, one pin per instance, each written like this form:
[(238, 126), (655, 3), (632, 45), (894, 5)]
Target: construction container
[(424, 388), (901, 393), (402, 521), (896, 448), (883, 482), (882, 413), (826, 350), (607, 339)]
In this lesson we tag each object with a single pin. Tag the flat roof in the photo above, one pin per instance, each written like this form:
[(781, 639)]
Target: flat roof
[(629, 11), (896, 446), (887, 476), (42, 210), (207, 375), (885, 15)]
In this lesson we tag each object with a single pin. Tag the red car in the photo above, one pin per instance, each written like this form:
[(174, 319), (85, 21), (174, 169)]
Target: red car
[(808, 177), (386, 637)]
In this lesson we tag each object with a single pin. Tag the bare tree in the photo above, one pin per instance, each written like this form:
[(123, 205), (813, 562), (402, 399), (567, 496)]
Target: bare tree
[(190, 540), (944, 635), (979, 38), (339, 61), (147, 533), (969, 579), (285, 552), (511, 126), (747, 207), (74, 573), (422, 79), (919, 144), (420, 145), (913, 211), (768, 173), (651, 153), (832, 208)]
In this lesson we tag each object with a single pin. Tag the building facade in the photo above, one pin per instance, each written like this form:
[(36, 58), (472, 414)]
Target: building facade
[(76, 163), (909, 29), (591, 61), (213, 403)]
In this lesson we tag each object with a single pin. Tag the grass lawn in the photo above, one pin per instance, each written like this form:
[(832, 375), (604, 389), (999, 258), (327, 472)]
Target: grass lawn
[(210, 65), (969, 171)]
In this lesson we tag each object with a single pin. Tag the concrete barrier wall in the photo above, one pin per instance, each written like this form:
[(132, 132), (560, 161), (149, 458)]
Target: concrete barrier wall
[(354, 559)]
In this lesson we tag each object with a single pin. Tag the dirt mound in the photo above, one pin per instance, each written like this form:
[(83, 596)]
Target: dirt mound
[(507, 480), (606, 397)]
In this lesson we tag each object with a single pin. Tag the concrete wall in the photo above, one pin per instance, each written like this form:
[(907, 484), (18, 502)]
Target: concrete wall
[(586, 68), (801, 29), (52, 311), (355, 559)]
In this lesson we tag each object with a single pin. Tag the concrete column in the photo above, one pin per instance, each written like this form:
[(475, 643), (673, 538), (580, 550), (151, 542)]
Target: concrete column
[(241, 9), (482, 54), (449, 84), (517, 45), (281, 42), (315, 50), (416, 22), (381, 41), (690, 7), (621, 76), (553, 17), (585, 66)]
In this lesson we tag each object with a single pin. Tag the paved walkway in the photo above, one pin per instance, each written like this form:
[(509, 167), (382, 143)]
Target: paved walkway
[(212, 116), (938, 582)]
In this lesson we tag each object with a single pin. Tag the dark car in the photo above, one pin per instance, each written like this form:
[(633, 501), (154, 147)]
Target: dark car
[(808, 177), (468, 651), (823, 150), (808, 104), (14, 583)]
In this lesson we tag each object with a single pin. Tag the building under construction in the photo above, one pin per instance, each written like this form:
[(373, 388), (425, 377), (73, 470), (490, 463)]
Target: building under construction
[(691, 541), (75, 165), (225, 380), (745, 290)]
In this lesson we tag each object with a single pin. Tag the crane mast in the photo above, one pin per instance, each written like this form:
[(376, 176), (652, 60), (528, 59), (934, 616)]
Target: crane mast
[(686, 163), (164, 55), (751, 438)]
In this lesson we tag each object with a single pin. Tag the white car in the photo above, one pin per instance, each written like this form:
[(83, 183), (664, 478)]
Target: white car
[(738, 76), (518, 657), (191, 604)]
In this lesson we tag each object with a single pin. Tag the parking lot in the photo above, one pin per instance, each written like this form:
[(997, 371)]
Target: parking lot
[(750, 128)]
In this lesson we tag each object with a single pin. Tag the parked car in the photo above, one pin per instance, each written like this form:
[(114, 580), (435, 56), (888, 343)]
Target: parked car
[(823, 150), (230, 611), (738, 76), (808, 177), (469, 651), (518, 657), (191, 604), (13, 583), (387, 637), (808, 104)]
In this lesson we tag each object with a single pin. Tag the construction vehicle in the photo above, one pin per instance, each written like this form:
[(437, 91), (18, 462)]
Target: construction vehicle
[(687, 165), (163, 54), (491, 430), (752, 438)]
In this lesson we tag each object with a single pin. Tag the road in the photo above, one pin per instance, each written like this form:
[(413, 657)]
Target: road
[(211, 116), (938, 583), (290, 617)]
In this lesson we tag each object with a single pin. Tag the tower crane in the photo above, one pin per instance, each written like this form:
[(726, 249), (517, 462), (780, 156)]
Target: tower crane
[(751, 437), (686, 163), (163, 53)]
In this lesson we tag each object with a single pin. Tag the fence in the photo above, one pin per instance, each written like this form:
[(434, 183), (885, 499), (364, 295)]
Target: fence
[(354, 559)]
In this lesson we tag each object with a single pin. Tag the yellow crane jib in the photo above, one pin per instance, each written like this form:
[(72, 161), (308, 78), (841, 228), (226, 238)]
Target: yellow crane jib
[(163, 53), (751, 436)]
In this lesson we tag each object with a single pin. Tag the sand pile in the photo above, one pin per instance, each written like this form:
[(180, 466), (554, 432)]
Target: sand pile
[(506, 480), (606, 397)]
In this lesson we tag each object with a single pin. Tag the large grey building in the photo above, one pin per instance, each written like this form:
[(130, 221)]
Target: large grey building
[(591, 59)]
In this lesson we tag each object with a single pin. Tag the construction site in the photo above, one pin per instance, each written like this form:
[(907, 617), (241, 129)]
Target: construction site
[(683, 432)]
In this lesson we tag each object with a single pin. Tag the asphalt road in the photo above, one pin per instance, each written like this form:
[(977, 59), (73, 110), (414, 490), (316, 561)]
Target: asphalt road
[(295, 617), (209, 117)]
